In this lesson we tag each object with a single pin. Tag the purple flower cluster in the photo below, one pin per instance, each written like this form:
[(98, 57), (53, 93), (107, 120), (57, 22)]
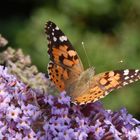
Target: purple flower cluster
[(16, 113), (29, 115), (67, 121)]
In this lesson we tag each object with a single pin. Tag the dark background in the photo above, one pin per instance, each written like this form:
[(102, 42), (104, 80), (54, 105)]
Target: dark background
[(110, 30)]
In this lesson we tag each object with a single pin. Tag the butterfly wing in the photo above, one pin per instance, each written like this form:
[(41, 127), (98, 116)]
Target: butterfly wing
[(102, 84), (65, 65)]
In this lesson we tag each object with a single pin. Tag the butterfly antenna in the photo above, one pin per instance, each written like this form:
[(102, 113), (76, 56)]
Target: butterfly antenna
[(87, 59), (89, 64)]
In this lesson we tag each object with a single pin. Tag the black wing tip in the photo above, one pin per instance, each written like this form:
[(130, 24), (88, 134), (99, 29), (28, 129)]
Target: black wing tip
[(49, 25)]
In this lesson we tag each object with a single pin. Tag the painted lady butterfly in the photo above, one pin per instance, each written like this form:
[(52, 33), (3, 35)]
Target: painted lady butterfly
[(66, 71)]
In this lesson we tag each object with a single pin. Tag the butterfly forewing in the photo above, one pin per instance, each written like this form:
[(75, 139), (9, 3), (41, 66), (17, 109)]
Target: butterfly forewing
[(65, 62), (60, 49)]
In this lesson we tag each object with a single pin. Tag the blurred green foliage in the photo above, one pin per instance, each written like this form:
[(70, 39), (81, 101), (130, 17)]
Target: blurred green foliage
[(110, 30)]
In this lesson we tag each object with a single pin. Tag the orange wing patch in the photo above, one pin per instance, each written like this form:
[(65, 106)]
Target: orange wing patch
[(110, 80), (58, 75), (67, 58), (92, 95)]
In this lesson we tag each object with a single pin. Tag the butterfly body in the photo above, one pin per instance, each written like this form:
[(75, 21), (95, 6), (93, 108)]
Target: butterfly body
[(66, 71), (81, 84)]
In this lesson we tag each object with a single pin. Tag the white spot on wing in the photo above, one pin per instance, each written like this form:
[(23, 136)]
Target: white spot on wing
[(106, 93), (102, 96), (136, 71), (56, 28), (54, 39), (126, 77), (95, 100), (126, 72), (131, 81), (63, 38), (125, 83), (87, 102)]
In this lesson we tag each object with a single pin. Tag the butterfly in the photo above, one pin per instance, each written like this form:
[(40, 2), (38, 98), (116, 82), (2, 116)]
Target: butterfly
[(66, 71)]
